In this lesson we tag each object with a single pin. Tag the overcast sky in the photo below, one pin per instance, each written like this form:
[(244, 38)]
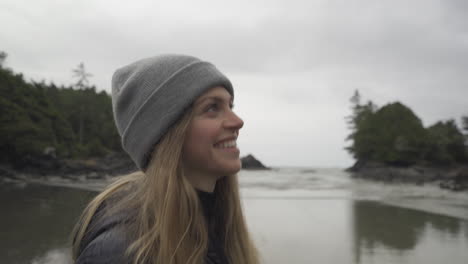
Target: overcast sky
[(294, 64)]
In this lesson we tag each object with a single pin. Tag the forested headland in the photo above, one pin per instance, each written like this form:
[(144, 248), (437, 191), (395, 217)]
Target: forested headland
[(46, 128), (390, 143), (60, 130)]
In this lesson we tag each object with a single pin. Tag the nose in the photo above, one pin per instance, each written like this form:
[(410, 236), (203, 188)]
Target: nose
[(233, 121)]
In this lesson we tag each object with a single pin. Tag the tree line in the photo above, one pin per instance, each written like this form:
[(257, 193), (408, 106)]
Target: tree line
[(68, 121), (393, 134)]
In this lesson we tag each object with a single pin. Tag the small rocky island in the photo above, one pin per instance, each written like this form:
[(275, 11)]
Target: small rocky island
[(249, 162), (390, 143)]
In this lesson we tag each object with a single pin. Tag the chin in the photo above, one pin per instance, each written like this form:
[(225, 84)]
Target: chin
[(230, 168)]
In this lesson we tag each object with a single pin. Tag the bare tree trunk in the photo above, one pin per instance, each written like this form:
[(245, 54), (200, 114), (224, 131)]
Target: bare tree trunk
[(81, 125)]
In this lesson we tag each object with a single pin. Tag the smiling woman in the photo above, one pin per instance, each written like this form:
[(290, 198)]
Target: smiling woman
[(175, 116)]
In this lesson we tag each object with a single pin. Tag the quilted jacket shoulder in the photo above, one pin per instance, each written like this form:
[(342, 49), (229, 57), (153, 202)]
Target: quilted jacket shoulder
[(106, 239)]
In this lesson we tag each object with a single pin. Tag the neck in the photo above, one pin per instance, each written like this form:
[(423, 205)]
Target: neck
[(201, 181)]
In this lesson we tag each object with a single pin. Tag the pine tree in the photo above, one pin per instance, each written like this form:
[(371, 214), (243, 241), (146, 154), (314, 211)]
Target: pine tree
[(356, 121), (82, 76), (81, 84), (465, 123), (3, 56)]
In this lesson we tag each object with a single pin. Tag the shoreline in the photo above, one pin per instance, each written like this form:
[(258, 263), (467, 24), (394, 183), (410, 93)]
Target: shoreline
[(95, 185), (453, 178), (444, 204), (81, 170)]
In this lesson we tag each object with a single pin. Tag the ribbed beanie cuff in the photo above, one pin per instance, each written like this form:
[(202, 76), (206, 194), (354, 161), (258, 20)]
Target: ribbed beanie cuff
[(150, 95)]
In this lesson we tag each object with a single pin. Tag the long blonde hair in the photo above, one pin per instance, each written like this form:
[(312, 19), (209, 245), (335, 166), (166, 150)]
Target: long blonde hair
[(169, 225)]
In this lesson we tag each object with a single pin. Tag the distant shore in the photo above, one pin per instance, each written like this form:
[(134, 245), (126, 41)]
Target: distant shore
[(454, 178), (93, 173), (73, 169)]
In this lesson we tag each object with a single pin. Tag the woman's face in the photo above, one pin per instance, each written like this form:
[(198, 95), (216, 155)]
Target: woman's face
[(210, 145)]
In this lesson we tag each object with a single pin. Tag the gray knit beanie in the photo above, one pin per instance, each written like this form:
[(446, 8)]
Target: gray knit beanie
[(150, 95)]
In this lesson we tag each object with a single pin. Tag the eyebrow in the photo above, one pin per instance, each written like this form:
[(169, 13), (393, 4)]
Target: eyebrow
[(215, 98)]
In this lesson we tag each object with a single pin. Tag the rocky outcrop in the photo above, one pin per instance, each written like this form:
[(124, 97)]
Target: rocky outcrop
[(94, 168), (453, 178), (249, 162), (457, 179), (112, 164)]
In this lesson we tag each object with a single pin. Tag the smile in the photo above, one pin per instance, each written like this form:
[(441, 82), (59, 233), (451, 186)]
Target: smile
[(226, 144)]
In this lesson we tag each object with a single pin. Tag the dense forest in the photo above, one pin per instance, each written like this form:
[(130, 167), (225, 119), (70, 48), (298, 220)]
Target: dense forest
[(40, 119), (394, 135)]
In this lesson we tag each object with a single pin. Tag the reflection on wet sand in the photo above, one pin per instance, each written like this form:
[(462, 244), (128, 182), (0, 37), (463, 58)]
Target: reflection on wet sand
[(379, 226), (36, 220), (59, 255)]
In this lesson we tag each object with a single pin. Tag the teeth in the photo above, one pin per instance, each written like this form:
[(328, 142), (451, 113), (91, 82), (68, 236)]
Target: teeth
[(227, 144)]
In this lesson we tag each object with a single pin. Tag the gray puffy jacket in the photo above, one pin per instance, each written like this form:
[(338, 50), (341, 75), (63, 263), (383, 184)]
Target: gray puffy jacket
[(106, 240)]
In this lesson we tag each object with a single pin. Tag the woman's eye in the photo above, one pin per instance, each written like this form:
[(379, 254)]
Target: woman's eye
[(212, 108)]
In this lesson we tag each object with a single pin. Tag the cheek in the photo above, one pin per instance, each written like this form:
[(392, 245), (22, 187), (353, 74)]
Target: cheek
[(200, 138)]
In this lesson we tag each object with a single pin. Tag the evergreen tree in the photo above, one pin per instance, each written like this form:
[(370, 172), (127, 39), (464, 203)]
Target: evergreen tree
[(400, 138), (357, 122), (3, 57), (82, 75), (446, 144), (81, 84), (392, 134), (465, 123)]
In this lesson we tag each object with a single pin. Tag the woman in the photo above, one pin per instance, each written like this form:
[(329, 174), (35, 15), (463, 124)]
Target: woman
[(174, 115)]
